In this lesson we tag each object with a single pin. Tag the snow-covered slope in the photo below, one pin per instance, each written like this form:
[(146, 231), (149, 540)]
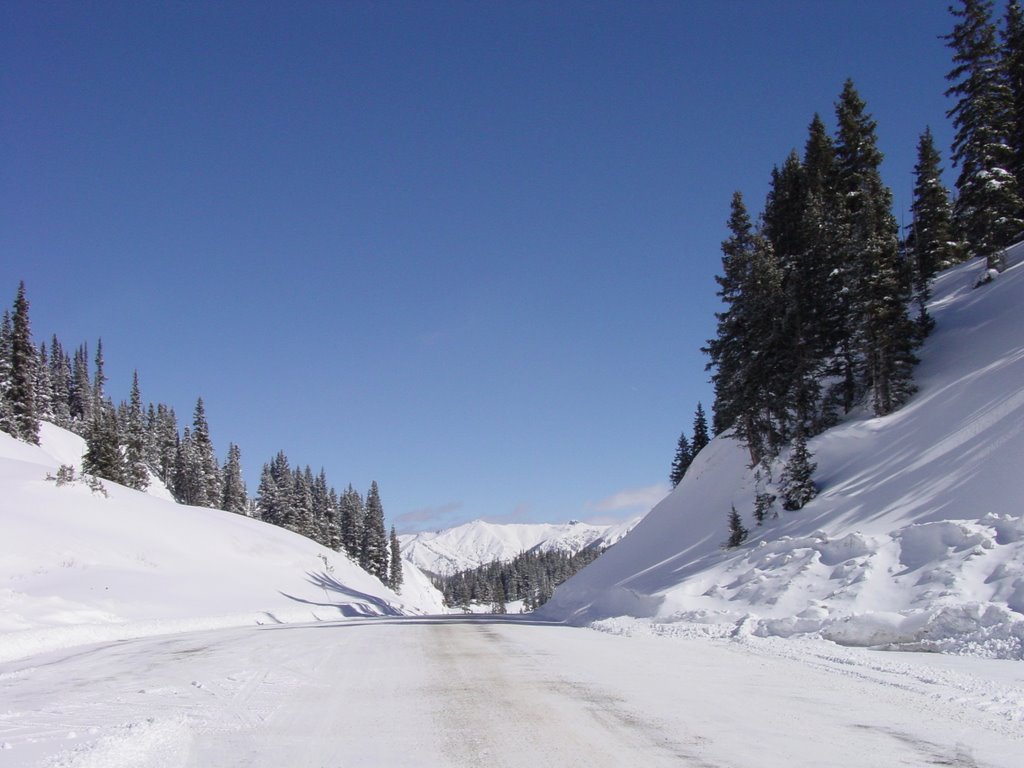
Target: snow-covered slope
[(476, 543), (916, 539), (76, 566)]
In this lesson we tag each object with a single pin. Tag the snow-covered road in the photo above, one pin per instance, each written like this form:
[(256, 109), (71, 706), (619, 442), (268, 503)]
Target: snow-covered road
[(475, 691)]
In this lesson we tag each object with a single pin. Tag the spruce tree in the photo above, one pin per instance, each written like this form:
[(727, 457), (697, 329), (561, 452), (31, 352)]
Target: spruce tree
[(988, 208), (883, 334), (206, 471), (684, 455), (136, 471), (1013, 67), (373, 556), (43, 386), (234, 498), (103, 456), (352, 513), (700, 431), (81, 396), (737, 531), (395, 568), (60, 384), (21, 389), (797, 478)]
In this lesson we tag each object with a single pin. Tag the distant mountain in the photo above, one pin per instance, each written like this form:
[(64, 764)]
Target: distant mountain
[(916, 537), (477, 543)]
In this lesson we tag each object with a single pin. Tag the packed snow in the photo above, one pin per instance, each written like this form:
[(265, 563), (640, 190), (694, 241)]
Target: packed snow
[(915, 542), (477, 543), (79, 565)]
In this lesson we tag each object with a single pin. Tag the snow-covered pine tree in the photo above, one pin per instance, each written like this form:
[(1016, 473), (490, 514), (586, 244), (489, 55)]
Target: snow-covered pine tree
[(234, 497), (20, 392), (684, 455), (43, 385), (395, 577), (988, 208), (797, 482), (885, 336), (103, 457), (136, 470), (60, 384), (6, 413), (930, 244), (373, 556), (206, 470), (1013, 66), (189, 487), (81, 397), (352, 513)]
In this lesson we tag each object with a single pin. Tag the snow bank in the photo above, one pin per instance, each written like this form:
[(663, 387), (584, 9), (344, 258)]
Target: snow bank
[(916, 540), (78, 566)]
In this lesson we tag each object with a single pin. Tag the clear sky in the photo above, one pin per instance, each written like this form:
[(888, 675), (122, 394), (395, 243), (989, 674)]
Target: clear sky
[(465, 249)]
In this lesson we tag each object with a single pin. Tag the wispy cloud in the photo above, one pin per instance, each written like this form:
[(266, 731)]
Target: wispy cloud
[(429, 517), (629, 501)]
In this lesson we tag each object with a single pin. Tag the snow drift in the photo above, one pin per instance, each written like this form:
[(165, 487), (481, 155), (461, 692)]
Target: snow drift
[(915, 541), (77, 566)]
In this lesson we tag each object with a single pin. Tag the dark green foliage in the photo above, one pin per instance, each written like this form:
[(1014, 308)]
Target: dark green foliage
[(684, 455), (103, 457), (797, 483), (737, 532), (373, 555), (205, 471), (700, 431), (134, 429), (19, 412), (988, 209), (1013, 67), (352, 513), (395, 577), (234, 497), (530, 576)]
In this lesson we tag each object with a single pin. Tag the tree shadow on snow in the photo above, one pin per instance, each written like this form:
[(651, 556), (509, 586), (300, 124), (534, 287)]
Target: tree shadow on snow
[(361, 608)]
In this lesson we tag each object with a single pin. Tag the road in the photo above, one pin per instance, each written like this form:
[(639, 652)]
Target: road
[(472, 691)]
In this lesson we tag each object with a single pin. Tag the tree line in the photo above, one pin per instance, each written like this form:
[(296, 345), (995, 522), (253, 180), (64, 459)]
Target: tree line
[(530, 576), (825, 300), (131, 444)]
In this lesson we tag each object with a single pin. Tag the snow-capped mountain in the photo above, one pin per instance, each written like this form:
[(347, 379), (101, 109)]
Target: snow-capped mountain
[(916, 539), (78, 566), (475, 543)]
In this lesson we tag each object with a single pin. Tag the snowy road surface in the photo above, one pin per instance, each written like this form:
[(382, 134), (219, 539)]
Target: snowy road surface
[(475, 691)]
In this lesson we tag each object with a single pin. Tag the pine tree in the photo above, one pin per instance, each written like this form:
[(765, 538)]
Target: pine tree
[(81, 397), (44, 386), (395, 578), (1013, 67), (6, 411), (373, 556), (684, 455), (797, 478), (189, 485), (988, 208), (136, 471), (60, 384), (234, 498), (930, 243), (103, 456), (700, 431), (884, 336), (21, 389), (205, 470), (352, 513), (737, 532), (273, 496)]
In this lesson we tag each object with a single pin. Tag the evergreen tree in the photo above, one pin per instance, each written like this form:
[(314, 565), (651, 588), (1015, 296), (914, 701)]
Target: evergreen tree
[(797, 478), (43, 386), (206, 471), (234, 498), (81, 396), (352, 514), (163, 443), (20, 392), (988, 208), (273, 496), (60, 385), (684, 455), (189, 485), (300, 517), (700, 431), (136, 471), (1013, 67), (373, 556), (737, 531), (884, 336), (395, 578), (6, 411), (103, 456)]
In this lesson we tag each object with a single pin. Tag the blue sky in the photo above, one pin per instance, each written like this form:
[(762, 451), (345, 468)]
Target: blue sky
[(464, 249)]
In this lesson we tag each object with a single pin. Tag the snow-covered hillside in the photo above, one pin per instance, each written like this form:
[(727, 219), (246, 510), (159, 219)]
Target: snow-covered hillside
[(76, 566), (915, 541), (477, 543)]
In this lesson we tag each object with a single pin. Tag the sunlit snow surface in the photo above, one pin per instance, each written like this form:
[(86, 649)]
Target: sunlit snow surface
[(915, 542), (78, 567)]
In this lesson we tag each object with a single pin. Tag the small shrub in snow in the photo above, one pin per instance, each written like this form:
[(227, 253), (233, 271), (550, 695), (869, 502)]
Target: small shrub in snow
[(65, 475)]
